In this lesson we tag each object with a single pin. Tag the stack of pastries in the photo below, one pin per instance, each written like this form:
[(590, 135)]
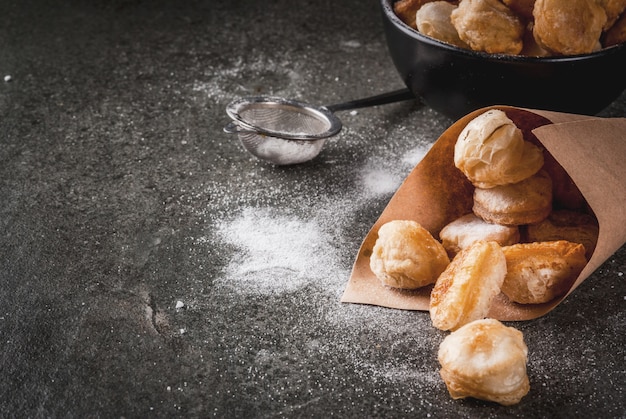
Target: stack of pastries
[(527, 237), (519, 27)]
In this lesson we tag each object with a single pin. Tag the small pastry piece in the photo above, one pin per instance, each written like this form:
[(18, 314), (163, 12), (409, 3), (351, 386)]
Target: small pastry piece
[(523, 8), (491, 151), (489, 26), (464, 231), (617, 33), (406, 10), (613, 9), (485, 360), (568, 27), (541, 271), (525, 202), (465, 290), (433, 19), (407, 256), (567, 225)]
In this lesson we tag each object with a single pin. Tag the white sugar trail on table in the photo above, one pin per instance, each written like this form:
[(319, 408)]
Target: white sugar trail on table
[(276, 253)]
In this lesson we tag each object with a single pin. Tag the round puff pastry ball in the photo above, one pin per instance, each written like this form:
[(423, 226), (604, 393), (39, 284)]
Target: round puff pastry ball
[(407, 256), (489, 26), (469, 228), (465, 290), (433, 19), (541, 271), (525, 202), (568, 27), (491, 151), (485, 360)]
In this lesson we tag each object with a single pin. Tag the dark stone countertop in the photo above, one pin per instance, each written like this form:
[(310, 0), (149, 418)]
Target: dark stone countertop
[(150, 267)]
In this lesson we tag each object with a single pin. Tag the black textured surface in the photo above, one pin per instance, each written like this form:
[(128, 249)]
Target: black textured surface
[(121, 195)]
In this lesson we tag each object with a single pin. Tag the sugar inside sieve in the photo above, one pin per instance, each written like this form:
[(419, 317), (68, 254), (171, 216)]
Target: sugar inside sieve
[(284, 131)]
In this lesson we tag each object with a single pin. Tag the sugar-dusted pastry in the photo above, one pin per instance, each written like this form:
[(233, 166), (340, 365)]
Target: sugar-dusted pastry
[(465, 290), (407, 256), (538, 272), (567, 225), (464, 231), (491, 151), (433, 19), (525, 202), (489, 26), (568, 27), (485, 360), (406, 10)]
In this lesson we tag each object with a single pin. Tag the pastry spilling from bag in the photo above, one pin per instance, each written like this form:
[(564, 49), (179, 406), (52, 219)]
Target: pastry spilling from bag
[(541, 271), (519, 27), (465, 290), (517, 242), (407, 256), (485, 360)]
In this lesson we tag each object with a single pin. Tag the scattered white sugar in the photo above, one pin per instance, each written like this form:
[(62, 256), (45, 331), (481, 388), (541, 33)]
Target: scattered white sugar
[(7, 78), (353, 113), (182, 331), (353, 43), (414, 156), (377, 181), (179, 304), (276, 252)]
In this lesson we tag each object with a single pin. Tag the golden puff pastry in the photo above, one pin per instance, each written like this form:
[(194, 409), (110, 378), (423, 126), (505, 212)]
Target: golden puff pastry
[(465, 290), (407, 256), (567, 225), (464, 231), (433, 19), (491, 151), (568, 27), (489, 26), (541, 271), (525, 202), (485, 360)]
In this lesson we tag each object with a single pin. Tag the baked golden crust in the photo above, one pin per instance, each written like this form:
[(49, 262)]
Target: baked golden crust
[(466, 288), (541, 271), (407, 256), (491, 151), (489, 26), (433, 19), (406, 10), (485, 360), (464, 231), (568, 27), (567, 225), (525, 202)]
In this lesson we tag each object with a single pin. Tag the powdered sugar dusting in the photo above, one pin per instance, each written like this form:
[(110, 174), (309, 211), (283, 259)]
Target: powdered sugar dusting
[(276, 252)]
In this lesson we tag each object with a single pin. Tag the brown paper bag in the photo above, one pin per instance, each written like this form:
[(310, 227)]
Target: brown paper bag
[(590, 149)]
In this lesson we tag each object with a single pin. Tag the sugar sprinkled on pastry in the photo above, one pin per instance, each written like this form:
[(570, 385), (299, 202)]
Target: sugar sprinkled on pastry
[(469, 228), (489, 26), (485, 360), (491, 151), (465, 290), (525, 202), (407, 256), (541, 271), (433, 19)]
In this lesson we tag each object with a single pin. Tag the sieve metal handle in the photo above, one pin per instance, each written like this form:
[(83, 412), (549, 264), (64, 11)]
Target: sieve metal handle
[(382, 99)]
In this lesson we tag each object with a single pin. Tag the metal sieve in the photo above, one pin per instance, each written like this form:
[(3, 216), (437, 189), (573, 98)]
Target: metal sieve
[(284, 131)]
